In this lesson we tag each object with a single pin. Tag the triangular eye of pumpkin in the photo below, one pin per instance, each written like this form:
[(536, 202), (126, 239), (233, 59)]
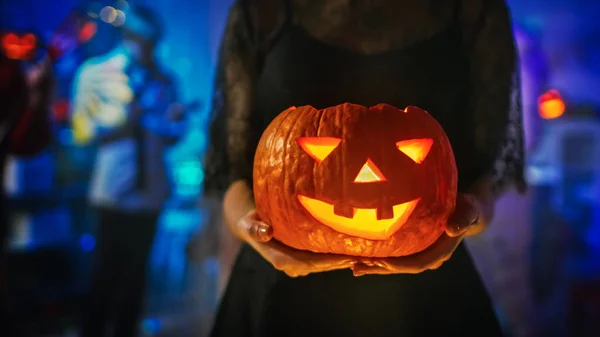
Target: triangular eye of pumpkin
[(318, 147), (415, 149)]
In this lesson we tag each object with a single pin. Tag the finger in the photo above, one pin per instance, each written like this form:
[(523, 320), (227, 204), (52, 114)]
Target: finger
[(367, 261), (327, 263), (400, 268), (293, 261), (294, 274), (259, 231), (312, 261), (255, 228), (441, 250), (437, 265), (361, 269), (465, 215)]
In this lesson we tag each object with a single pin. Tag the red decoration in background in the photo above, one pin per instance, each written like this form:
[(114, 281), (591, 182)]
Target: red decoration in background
[(551, 105), (18, 47), (61, 110), (87, 31), (70, 34)]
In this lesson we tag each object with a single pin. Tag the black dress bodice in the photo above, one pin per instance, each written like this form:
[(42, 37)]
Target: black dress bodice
[(431, 74), (261, 301)]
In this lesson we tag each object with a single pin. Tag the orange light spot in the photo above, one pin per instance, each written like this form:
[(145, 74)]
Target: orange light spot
[(364, 223), (369, 173), (551, 105), (416, 149), (18, 48), (318, 147)]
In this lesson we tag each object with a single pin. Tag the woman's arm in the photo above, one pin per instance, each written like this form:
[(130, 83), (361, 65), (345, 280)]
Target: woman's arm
[(238, 72), (238, 202), (484, 200), (250, 26), (494, 102)]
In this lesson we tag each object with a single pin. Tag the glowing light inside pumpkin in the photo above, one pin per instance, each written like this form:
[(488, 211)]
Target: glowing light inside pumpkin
[(551, 105), (318, 147), (369, 173), (364, 223), (415, 149)]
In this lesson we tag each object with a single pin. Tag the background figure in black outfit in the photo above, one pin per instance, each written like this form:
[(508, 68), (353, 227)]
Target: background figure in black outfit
[(455, 59), (25, 130), (129, 184)]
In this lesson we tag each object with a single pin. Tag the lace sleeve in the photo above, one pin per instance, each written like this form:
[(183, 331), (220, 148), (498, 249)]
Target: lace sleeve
[(227, 160), (495, 98), (251, 27)]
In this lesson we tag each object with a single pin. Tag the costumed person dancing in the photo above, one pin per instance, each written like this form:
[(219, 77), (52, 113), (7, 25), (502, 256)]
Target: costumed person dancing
[(118, 99), (455, 59)]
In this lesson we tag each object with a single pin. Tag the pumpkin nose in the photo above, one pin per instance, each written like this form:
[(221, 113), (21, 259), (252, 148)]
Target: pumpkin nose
[(369, 173)]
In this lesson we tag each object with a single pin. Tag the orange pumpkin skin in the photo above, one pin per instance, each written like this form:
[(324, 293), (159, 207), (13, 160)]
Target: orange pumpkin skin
[(311, 185)]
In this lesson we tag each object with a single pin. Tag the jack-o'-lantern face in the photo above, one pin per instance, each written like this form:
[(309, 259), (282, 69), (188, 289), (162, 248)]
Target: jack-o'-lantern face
[(19, 47), (368, 223), (354, 180)]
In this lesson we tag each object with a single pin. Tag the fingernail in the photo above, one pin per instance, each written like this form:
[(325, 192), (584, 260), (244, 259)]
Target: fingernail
[(264, 232), (457, 229)]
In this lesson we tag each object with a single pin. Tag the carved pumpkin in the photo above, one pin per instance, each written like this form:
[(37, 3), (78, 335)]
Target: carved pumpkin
[(353, 180), (18, 47)]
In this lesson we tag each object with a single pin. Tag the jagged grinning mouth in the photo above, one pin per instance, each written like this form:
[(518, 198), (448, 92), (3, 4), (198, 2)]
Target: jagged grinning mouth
[(364, 222)]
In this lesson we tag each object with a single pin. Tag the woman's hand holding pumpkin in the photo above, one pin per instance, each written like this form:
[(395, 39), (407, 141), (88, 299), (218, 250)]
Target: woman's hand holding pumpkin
[(291, 261), (300, 263), (464, 219)]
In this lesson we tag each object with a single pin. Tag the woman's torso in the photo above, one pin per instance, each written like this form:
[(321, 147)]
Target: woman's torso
[(432, 73), (375, 65)]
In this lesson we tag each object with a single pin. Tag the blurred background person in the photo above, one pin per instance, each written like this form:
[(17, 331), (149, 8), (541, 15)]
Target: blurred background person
[(126, 99), (25, 130)]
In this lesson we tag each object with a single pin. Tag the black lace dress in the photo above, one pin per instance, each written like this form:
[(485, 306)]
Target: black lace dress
[(456, 59)]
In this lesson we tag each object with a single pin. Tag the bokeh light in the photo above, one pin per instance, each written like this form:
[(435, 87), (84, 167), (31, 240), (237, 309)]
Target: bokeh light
[(551, 105), (108, 14), (88, 31), (87, 242), (119, 19)]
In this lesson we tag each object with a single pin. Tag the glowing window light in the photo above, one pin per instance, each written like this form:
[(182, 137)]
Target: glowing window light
[(551, 105)]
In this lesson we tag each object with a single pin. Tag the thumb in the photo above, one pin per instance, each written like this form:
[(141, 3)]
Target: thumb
[(465, 215), (258, 230)]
